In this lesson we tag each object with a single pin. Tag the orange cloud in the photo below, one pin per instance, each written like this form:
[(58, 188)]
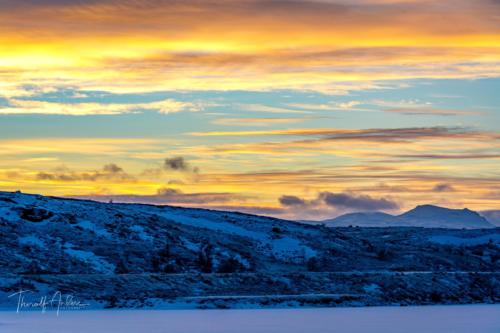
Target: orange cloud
[(331, 46)]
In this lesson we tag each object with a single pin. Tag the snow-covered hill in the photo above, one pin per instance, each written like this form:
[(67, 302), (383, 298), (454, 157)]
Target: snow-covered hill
[(57, 235), (110, 252), (427, 216)]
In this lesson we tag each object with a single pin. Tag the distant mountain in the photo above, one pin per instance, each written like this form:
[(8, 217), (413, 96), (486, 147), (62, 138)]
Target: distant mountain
[(368, 219), (433, 216), (493, 216), (427, 216)]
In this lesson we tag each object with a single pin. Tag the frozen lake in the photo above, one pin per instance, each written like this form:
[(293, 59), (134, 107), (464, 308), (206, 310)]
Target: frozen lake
[(442, 319)]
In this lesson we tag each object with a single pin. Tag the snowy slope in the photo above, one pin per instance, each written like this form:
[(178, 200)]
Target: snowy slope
[(44, 234), (91, 235), (104, 250)]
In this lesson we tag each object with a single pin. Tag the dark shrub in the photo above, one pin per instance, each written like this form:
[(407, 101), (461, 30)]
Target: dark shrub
[(33, 214)]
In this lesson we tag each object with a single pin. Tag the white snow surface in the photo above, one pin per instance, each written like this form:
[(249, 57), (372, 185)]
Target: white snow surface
[(289, 247), (91, 226), (97, 262), (141, 233), (285, 248), (31, 240), (428, 319)]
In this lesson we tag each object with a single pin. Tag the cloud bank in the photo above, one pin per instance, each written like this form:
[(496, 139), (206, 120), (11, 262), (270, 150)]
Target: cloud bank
[(328, 203), (329, 46)]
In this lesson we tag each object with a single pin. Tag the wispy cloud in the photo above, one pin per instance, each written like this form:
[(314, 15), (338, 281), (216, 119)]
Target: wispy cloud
[(170, 196), (450, 156), (23, 106), (417, 107), (256, 121), (376, 135), (332, 106), (433, 111), (108, 172), (268, 109), (81, 146)]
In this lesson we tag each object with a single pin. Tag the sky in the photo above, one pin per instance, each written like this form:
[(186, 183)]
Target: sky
[(297, 109)]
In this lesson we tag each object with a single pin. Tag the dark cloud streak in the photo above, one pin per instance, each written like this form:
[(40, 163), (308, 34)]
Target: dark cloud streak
[(291, 200), (443, 188), (108, 172), (170, 196), (358, 202), (341, 201)]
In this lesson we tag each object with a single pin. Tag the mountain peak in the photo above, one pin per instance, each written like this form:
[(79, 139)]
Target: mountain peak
[(424, 215), (426, 210), (429, 216), (428, 207)]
